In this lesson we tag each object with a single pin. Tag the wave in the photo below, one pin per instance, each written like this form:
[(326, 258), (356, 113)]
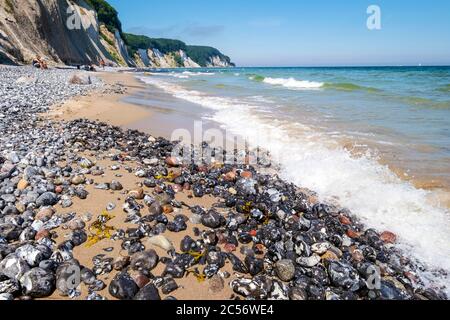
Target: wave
[(344, 86), (191, 73), (445, 88), (370, 190), (292, 83), (426, 103)]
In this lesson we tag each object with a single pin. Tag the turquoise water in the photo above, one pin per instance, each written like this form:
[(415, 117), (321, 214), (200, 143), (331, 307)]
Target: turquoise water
[(375, 140)]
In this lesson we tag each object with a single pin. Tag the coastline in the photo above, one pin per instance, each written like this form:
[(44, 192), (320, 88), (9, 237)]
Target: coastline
[(130, 157)]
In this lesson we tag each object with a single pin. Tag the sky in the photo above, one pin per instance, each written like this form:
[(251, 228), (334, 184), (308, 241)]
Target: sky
[(300, 33)]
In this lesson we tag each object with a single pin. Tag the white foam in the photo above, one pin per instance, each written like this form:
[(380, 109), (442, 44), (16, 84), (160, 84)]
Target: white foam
[(371, 191), (292, 83)]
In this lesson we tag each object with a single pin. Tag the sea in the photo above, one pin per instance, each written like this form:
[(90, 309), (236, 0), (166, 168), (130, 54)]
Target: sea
[(376, 140)]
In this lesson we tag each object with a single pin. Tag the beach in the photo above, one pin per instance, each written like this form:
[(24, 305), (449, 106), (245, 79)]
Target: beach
[(97, 158)]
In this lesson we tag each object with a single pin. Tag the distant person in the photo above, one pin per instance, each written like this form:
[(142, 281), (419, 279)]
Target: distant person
[(39, 63), (102, 64)]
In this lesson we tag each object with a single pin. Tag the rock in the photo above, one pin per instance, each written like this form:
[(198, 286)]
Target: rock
[(249, 289), (148, 293), (299, 294), (9, 231), (320, 248), (137, 194), (169, 286), (6, 297), (388, 237), (173, 161), (9, 286), (330, 256), (38, 283), (42, 234), (254, 265), (216, 284), (47, 199), (22, 184), (85, 163), (155, 208), (68, 277), (309, 262), (161, 242), (45, 214), (13, 267), (32, 255), (76, 224), (144, 261), (81, 193), (123, 287), (212, 219), (285, 270), (78, 179), (115, 185), (343, 275), (121, 263)]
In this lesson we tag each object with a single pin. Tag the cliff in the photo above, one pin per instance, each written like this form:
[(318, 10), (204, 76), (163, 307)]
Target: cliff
[(87, 31)]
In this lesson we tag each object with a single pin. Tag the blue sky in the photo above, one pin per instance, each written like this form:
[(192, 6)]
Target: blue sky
[(300, 33)]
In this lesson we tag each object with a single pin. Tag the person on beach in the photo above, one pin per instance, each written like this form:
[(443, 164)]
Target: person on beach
[(102, 64), (39, 63)]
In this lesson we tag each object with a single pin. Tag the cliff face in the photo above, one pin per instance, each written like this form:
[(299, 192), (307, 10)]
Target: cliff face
[(60, 31), (70, 32)]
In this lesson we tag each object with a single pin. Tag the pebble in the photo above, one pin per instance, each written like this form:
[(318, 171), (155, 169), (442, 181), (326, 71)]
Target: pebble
[(285, 270), (216, 284), (144, 261), (123, 287), (161, 241), (38, 283), (148, 293)]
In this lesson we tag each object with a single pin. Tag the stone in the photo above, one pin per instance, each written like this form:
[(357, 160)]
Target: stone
[(9, 231), (173, 162), (144, 261), (169, 286), (45, 214), (22, 184), (285, 270), (47, 199), (320, 248), (33, 255), (343, 275), (148, 293), (212, 219), (66, 277), (43, 233), (137, 194), (115, 185), (330, 256), (161, 241), (78, 179), (309, 262), (216, 284), (388, 237), (123, 287), (76, 224), (13, 267), (38, 283), (254, 266), (9, 286)]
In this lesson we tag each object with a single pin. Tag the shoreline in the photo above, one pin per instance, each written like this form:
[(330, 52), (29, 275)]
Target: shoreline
[(99, 153)]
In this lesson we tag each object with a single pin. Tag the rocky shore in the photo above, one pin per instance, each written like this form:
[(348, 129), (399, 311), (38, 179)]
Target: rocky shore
[(92, 211)]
